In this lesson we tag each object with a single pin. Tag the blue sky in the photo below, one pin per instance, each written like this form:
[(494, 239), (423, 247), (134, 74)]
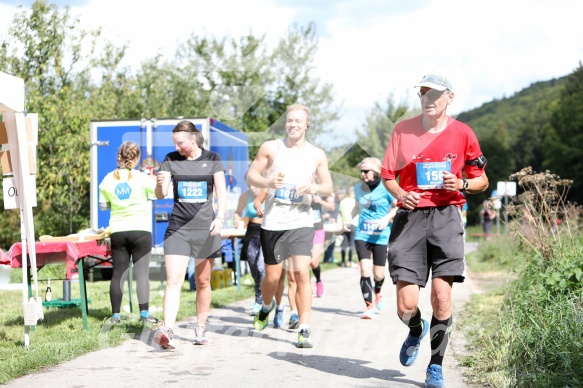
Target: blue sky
[(354, 13), (371, 48)]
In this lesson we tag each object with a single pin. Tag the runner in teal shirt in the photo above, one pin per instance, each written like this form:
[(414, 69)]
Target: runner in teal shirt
[(376, 209)]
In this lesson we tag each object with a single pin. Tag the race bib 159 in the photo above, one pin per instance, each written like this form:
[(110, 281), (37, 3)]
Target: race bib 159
[(430, 174)]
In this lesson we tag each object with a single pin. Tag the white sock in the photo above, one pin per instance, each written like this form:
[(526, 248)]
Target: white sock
[(267, 307), (304, 326)]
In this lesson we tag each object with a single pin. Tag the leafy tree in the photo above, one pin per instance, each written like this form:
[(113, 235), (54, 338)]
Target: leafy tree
[(372, 139), (512, 132), (245, 82), (564, 138), (54, 56), (379, 124), (74, 77)]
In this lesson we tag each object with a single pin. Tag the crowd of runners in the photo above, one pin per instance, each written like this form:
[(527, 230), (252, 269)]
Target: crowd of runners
[(406, 211)]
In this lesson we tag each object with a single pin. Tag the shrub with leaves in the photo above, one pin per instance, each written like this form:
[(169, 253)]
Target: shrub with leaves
[(536, 339), (544, 304), (541, 217)]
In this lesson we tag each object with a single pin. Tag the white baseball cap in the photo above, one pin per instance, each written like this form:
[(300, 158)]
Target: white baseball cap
[(435, 81)]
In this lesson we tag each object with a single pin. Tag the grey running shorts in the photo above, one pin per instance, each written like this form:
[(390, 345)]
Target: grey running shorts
[(427, 239)]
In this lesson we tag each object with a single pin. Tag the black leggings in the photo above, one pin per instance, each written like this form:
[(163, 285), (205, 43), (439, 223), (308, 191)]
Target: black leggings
[(364, 250), (251, 251), (348, 244), (138, 246)]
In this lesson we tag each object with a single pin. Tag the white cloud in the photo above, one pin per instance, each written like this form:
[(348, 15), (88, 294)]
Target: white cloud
[(152, 27), (490, 49)]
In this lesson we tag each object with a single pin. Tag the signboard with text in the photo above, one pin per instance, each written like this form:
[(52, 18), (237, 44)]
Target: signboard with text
[(506, 189)]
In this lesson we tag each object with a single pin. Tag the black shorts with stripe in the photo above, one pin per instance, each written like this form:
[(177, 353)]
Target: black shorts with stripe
[(279, 245)]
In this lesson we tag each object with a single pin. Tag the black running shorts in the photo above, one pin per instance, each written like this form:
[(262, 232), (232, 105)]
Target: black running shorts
[(279, 245), (192, 242), (365, 249)]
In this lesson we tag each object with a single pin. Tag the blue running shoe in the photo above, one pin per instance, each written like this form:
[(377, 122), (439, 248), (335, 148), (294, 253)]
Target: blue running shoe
[(380, 301), (434, 377), (368, 313), (260, 320), (278, 319), (294, 320), (410, 348), (255, 309)]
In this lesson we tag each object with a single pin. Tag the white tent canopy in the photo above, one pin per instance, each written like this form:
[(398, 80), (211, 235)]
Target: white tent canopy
[(13, 115), (11, 93)]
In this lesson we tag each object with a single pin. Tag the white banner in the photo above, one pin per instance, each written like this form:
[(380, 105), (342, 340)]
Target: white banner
[(506, 189), (11, 197)]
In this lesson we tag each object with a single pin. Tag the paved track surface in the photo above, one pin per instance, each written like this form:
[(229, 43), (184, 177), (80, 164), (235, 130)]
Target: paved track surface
[(348, 352)]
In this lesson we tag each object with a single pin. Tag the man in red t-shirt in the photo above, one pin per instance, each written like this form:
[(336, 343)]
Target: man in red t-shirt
[(423, 168)]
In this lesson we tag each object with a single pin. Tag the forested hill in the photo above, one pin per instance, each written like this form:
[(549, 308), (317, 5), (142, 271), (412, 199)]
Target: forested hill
[(514, 111), (541, 126)]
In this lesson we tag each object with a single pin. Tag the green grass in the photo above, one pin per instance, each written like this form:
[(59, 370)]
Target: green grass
[(480, 322), (527, 332), (60, 336), (500, 253)]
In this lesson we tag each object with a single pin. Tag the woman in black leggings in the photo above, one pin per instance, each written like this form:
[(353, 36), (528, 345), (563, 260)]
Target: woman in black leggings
[(126, 192), (251, 249)]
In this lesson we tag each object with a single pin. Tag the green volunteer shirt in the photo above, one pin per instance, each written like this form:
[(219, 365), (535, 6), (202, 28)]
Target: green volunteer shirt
[(129, 200)]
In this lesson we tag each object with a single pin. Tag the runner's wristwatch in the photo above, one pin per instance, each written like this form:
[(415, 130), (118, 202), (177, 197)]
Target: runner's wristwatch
[(466, 184)]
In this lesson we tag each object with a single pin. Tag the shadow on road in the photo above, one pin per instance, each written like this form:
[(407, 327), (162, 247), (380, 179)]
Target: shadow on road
[(348, 367)]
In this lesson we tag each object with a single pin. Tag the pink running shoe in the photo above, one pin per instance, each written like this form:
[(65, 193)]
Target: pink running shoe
[(200, 336), (164, 338), (319, 289)]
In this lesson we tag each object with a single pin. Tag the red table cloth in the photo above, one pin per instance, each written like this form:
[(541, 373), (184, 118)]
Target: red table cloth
[(61, 251)]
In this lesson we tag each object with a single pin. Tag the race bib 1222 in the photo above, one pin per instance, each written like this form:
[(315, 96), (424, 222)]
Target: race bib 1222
[(194, 192)]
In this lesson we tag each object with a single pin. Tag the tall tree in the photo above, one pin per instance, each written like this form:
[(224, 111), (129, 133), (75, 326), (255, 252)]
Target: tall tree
[(371, 140), (564, 138), (247, 82), (73, 77), (46, 48)]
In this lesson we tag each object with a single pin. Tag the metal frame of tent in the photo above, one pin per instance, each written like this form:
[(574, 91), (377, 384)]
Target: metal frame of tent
[(19, 186)]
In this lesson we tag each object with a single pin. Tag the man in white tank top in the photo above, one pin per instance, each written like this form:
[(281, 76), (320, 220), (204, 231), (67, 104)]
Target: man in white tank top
[(295, 171)]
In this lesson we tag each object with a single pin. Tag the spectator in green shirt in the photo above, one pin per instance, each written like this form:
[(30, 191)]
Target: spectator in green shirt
[(126, 192)]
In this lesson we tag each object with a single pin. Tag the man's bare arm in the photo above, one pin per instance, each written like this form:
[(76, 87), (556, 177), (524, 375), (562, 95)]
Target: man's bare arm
[(261, 163)]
